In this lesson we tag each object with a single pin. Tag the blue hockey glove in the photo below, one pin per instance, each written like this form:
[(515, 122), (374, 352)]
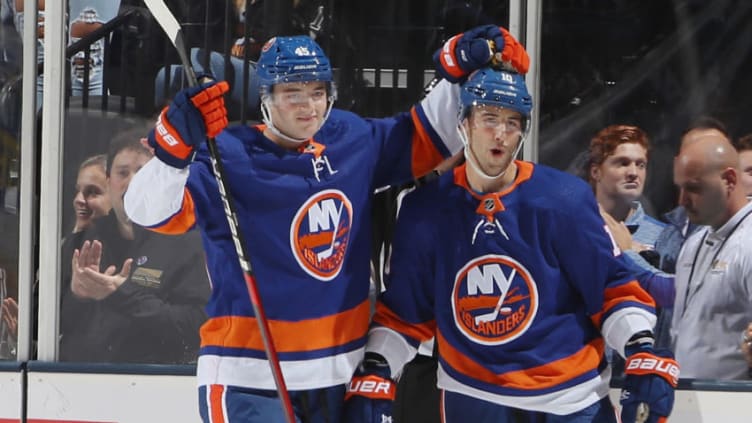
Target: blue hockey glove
[(370, 393), (650, 379), (476, 48), (195, 114)]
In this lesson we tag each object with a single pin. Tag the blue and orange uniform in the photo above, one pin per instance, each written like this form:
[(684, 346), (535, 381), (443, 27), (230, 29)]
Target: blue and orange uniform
[(305, 216), (522, 289)]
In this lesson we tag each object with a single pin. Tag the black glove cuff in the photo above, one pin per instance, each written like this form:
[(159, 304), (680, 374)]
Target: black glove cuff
[(640, 338), (373, 359), (638, 341)]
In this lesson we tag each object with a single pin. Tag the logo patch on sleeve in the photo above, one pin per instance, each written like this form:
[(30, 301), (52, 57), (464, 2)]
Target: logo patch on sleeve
[(494, 299), (320, 233)]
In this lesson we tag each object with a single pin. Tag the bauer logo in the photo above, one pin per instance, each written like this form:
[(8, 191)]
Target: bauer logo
[(320, 233), (494, 299)]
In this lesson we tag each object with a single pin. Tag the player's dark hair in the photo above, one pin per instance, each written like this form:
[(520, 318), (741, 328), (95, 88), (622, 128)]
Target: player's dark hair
[(744, 143), (130, 139)]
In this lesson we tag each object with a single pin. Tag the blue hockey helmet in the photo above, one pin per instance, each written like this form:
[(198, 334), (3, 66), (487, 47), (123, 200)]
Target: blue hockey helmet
[(292, 59), (495, 87)]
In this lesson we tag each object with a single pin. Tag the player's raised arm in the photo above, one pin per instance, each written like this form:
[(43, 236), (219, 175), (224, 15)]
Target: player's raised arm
[(156, 197)]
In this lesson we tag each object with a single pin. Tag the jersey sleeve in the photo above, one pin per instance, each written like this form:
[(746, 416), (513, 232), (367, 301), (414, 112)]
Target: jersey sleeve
[(659, 284), (414, 143), (405, 311), (157, 198), (590, 258)]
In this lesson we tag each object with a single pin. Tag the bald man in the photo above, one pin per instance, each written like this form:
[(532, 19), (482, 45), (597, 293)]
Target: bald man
[(677, 230), (714, 270)]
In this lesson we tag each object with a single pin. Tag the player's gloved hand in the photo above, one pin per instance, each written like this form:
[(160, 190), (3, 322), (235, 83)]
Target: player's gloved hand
[(370, 393), (650, 379), (195, 114), (475, 48)]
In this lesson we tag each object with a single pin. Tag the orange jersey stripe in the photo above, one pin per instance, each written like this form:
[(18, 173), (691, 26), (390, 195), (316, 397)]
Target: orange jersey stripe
[(424, 153), (216, 396), (182, 221), (306, 335), (540, 377), (631, 292), (386, 317)]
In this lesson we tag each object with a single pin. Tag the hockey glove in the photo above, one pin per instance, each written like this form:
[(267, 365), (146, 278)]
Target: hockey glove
[(371, 392), (650, 379), (474, 49), (195, 114)]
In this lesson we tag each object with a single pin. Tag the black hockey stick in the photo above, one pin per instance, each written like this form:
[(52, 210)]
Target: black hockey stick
[(172, 28)]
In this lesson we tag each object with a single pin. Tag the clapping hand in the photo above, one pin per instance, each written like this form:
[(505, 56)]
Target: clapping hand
[(88, 280)]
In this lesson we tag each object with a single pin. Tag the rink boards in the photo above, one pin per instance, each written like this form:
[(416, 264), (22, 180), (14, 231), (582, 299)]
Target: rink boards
[(58, 393)]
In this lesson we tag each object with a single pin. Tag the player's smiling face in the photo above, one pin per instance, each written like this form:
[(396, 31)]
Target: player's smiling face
[(494, 134), (298, 108)]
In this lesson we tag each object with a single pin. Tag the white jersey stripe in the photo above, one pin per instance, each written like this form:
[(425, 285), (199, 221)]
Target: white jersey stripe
[(441, 102), (299, 375), (159, 192), (562, 402)]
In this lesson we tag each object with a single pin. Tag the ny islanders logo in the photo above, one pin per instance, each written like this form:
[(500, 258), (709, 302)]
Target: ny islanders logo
[(320, 233), (494, 299)]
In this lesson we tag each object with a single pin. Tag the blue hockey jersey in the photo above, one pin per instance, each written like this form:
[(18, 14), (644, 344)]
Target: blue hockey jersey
[(305, 216), (519, 288)]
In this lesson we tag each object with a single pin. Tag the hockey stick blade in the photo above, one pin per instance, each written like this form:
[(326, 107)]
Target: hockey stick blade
[(171, 27)]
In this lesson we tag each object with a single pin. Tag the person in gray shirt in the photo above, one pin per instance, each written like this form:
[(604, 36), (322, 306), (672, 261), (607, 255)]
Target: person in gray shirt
[(714, 267)]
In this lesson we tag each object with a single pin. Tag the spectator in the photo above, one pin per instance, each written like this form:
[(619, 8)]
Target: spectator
[(130, 295), (714, 268), (302, 185), (673, 235), (508, 265), (679, 227), (744, 148), (85, 23), (91, 200), (617, 171)]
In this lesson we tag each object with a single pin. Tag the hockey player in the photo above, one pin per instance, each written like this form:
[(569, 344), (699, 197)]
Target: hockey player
[(302, 185), (510, 266)]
